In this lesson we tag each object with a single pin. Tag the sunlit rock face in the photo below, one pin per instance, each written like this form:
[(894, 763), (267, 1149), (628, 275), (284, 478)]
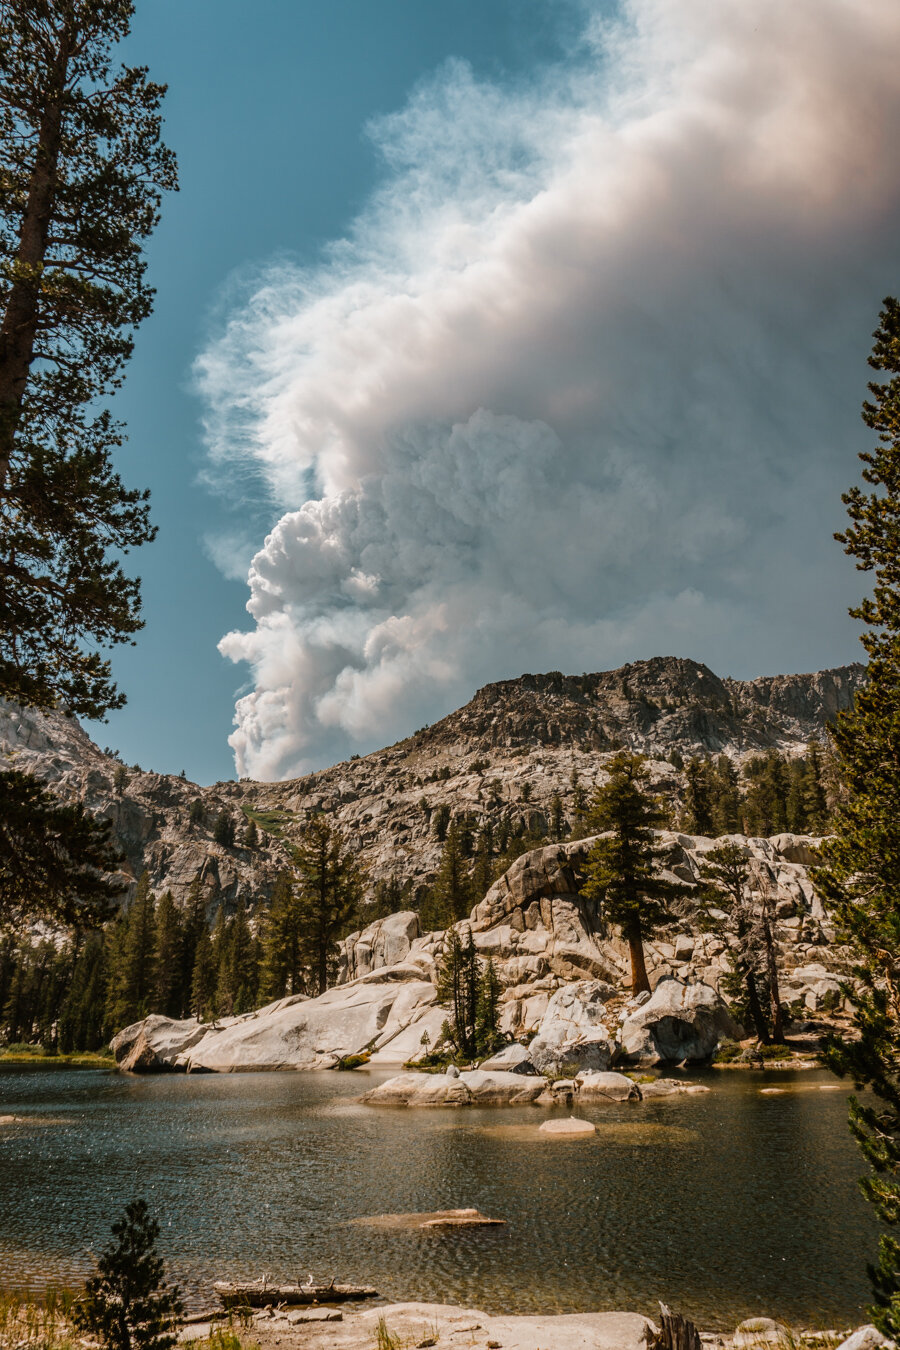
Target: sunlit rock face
[(507, 753)]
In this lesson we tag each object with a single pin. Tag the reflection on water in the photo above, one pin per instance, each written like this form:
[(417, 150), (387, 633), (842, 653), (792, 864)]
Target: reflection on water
[(724, 1205)]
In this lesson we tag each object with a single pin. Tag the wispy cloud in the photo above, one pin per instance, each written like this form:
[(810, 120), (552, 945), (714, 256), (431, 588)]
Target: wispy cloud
[(581, 383)]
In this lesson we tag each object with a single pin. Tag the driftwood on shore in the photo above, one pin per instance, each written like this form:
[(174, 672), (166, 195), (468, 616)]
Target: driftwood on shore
[(262, 1293)]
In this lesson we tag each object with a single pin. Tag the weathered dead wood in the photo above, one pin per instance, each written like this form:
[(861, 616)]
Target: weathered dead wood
[(261, 1293), (675, 1332)]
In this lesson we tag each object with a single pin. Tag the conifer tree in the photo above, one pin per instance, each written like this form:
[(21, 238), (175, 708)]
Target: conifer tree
[(83, 174), (453, 896), (621, 871), (56, 862), (815, 802), (726, 808), (133, 960), (731, 913), (167, 990), (81, 1013), (698, 802), (126, 1305), (282, 923), (204, 979), (329, 886), (860, 873)]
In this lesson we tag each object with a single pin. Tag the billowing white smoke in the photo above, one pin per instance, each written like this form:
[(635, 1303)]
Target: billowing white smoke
[(581, 386)]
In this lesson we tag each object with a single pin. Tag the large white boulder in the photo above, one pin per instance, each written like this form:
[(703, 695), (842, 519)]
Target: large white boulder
[(610, 1087), (573, 1036), (680, 1022), (383, 1013)]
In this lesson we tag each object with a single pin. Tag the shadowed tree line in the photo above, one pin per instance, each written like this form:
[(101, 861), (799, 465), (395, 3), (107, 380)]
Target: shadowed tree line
[(153, 957)]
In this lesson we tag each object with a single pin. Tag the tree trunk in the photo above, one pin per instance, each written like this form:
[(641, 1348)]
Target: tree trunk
[(18, 329), (772, 972), (639, 982), (756, 1012)]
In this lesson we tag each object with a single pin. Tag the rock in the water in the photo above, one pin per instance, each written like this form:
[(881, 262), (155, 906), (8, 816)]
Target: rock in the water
[(474, 1088), (438, 1218), (615, 1087), (671, 1087), (569, 1128), (680, 1022)]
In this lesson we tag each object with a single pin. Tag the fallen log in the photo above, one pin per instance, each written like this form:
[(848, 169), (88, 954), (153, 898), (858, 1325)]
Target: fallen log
[(261, 1293)]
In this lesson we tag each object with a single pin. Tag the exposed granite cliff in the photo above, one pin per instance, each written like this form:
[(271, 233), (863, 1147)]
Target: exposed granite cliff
[(506, 752)]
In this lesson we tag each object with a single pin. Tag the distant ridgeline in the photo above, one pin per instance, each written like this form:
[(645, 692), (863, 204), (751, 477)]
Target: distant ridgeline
[(502, 760), (434, 820)]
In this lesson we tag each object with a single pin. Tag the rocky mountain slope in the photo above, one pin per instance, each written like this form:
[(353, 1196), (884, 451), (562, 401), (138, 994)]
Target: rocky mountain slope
[(564, 978), (505, 753)]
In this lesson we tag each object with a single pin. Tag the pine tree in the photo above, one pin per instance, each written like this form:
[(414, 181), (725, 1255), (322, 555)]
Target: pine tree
[(452, 893), (621, 873), (167, 985), (56, 862), (133, 960), (126, 1305), (765, 803), (698, 802), (282, 961), (194, 926), (726, 806), (731, 913), (195, 816), (815, 802), (203, 979), (251, 835), (223, 830), (83, 175), (860, 873), (487, 1011), (458, 978), (329, 886), (242, 963), (81, 1013)]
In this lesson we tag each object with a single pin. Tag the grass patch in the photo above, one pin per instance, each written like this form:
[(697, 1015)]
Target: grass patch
[(37, 1323), (727, 1052), (223, 1338), (773, 1052), (37, 1054), (273, 822), (353, 1061), (384, 1339)]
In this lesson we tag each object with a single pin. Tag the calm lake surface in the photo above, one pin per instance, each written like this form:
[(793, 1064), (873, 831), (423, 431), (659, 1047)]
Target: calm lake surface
[(724, 1205)]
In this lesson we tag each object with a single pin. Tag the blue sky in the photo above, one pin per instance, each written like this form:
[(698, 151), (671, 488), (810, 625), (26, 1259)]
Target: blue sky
[(266, 109), (516, 335)]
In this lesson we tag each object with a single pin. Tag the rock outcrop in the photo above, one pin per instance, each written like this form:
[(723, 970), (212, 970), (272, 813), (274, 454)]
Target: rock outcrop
[(504, 755), (680, 1023), (373, 1015), (563, 978)]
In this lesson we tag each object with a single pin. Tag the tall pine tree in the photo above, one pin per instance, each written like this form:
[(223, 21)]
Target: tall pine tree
[(860, 872), (621, 868)]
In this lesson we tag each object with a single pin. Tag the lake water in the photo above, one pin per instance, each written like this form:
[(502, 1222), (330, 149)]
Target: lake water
[(725, 1205)]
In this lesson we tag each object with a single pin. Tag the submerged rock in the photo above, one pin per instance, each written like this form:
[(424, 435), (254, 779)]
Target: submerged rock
[(569, 1128)]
